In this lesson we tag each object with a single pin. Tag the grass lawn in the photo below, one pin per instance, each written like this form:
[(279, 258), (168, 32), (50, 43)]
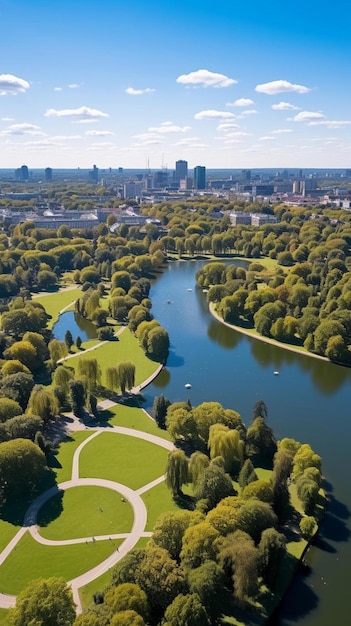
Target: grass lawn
[(87, 511), (134, 417), (158, 500), (3, 616), (31, 560), (64, 458), (86, 593), (7, 532), (55, 302), (113, 352), (127, 460)]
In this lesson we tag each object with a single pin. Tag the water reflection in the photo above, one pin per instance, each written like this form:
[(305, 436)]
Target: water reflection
[(78, 325), (223, 335)]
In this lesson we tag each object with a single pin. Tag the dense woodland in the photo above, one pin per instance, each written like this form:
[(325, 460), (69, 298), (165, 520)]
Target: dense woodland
[(228, 535)]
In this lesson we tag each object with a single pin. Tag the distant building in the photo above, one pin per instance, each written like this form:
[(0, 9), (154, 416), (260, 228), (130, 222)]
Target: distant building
[(21, 173), (199, 177), (93, 175), (239, 217), (48, 174), (258, 219), (246, 175), (181, 171)]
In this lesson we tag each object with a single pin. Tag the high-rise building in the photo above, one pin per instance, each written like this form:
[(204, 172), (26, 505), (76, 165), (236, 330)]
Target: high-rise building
[(21, 173), (48, 173), (93, 175), (200, 177), (181, 170)]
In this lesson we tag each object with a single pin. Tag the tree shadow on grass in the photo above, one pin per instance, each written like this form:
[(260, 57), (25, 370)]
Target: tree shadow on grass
[(14, 509), (51, 510), (184, 501)]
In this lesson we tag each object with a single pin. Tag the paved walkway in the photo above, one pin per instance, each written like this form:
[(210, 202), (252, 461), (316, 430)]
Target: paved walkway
[(133, 497)]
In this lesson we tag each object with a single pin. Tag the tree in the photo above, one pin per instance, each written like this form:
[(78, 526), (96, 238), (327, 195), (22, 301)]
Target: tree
[(13, 367), (170, 527), (176, 472), (254, 517), (207, 582), (305, 457), (226, 443), (18, 387), (24, 352), (61, 378), (186, 610), (197, 463), (201, 543), (214, 485), (260, 440), (160, 577), (159, 409), (43, 402), (181, 424), (126, 618), (22, 464), (23, 427), (126, 375), (77, 392), (69, 339), (39, 343), (260, 489), (158, 344), (272, 548), (90, 368), (112, 378), (57, 350), (308, 526), (127, 596), (247, 474), (45, 602), (240, 559), (78, 342), (8, 409)]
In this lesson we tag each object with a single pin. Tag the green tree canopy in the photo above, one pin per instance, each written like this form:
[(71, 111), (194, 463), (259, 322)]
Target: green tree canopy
[(45, 602)]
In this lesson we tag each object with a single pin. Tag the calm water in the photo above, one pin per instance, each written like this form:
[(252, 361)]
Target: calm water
[(309, 401), (77, 324)]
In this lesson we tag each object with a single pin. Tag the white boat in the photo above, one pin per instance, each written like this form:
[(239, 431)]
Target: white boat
[(276, 373), (187, 386), (189, 289)]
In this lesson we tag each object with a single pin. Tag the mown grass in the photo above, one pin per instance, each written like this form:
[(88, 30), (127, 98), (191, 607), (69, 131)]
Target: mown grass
[(134, 417), (64, 458), (111, 353), (3, 616), (123, 459), (7, 532), (87, 592), (53, 303), (158, 500), (87, 511), (31, 560)]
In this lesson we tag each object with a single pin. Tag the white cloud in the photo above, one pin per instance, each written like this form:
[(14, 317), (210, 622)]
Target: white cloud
[(238, 133), (224, 126), (267, 138), (331, 123), (285, 106), (99, 133), (280, 86), (7, 119), (57, 88), (241, 102), (82, 113), (66, 137), (169, 127), (73, 86), (307, 116), (249, 112), (281, 131), (138, 92), (12, 85), (213, 114), (205, 78), (23, 129)]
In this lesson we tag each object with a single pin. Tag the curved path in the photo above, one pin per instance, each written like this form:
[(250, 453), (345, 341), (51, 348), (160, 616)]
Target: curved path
[(133, 497)]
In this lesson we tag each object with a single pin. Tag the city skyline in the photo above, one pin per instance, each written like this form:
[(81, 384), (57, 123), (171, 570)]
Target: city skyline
[(139, 85)]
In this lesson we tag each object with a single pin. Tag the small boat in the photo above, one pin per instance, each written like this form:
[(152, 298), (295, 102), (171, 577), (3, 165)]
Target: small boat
[(189, 289), (276, 373), (168, 302), (187, 386)]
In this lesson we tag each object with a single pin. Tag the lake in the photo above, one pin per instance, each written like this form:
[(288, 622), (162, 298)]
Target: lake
[(309, 401), (78, 325)]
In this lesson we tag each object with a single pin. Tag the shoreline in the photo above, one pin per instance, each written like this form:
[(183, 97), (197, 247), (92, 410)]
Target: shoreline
[(273, 342)]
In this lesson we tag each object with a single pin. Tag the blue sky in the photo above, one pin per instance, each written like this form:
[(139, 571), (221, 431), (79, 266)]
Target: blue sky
[(140, 83)]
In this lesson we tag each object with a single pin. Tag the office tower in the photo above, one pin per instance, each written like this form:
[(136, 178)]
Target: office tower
[(93, 175), (246, 175), (199, 177), (21, 173), (181, 170), (48, 173)]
